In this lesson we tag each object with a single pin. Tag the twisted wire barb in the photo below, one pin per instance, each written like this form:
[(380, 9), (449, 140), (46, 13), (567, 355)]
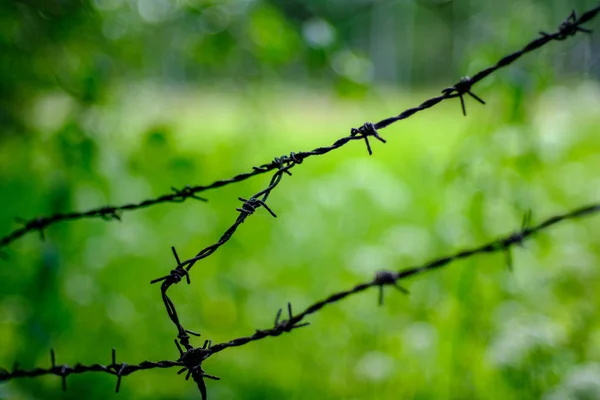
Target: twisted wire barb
[(570, 27)]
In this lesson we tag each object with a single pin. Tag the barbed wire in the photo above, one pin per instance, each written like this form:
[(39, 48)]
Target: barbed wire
[(286, 163), (192, 358), (390, 278), (568, 28), (64, 371)]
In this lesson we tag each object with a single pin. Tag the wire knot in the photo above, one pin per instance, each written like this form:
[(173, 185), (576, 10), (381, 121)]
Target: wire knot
[(252, 204), (193, 357), (36, 224), (191, 360), (368, 129), (175, 275), (109, 213), (459, 90), (61, 370), (283, 163), (385, 277), (568, 27), (296, 159), (286, 325), (119, 369), (517, 238), (187, 191)]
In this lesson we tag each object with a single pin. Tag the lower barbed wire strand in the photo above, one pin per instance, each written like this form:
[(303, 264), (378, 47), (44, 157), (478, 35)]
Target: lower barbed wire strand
[(6, 375), (386, 278), (495, 246)]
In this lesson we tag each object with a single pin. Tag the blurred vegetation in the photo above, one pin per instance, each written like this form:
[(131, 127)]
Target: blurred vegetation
[(112, 101)]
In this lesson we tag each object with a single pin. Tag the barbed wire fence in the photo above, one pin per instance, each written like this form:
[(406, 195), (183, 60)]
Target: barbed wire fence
[(191, 358)]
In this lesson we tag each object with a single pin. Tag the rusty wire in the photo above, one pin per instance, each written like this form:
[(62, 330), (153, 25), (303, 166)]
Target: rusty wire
[(569, 27), (191, 358)]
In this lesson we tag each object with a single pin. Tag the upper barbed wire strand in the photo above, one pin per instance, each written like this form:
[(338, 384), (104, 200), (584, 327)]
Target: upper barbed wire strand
[(568, 28)]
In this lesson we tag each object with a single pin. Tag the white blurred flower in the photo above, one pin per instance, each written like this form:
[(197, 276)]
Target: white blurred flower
[(375, 366), (318, 33), (522, 335), (352, 66), (583, 382)]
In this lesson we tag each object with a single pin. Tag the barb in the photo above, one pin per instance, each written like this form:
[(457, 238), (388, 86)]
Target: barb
[(460, 89), (518, 239), (571, 26), (192, 362), (385, 277), (368, 129)]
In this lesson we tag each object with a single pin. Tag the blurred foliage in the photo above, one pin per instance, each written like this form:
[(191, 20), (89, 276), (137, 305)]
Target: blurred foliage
[(112, 101), (83, 48)]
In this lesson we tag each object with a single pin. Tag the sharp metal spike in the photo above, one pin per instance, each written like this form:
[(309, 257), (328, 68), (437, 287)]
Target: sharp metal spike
[(176, 256), (178, 347), (64, 379), (508, 258)]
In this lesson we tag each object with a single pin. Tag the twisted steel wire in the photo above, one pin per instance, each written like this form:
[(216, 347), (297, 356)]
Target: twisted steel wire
[(64, 370)]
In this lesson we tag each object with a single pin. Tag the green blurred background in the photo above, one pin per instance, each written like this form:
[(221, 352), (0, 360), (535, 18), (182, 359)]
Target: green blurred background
[(113, 101)]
